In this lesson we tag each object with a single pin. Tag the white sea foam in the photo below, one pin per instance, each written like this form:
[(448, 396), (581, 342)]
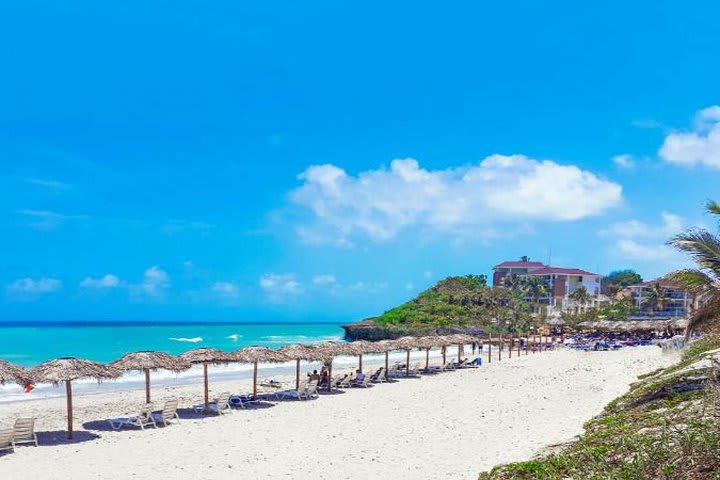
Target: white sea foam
[(188, 340), (234, 337), (288, 339)]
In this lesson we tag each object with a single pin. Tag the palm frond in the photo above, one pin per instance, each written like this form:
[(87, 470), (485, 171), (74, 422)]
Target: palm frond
[(703, 246), (695, 281), (708, 311), (712, 207)]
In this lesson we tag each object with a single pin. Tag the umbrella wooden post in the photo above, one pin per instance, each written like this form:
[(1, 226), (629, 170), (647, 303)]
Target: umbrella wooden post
[(540, 344), (147, 385), (68, 392), (459, 353), (510, 348), (500, 347), (518, 344), (207, 386), (387, 354), (527, 341), (427, 359), (254, 380), (360, 362), (407, 365), (489, 348), (329, 385), (443, 350), (297, 374)]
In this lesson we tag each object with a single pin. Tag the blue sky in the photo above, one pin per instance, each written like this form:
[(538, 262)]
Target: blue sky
[(325, 161)]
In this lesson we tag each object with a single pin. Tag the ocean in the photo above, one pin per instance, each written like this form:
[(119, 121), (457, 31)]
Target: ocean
[(29, 344)]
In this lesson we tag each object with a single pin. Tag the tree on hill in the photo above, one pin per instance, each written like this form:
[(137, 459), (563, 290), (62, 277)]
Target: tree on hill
[(619, 279)]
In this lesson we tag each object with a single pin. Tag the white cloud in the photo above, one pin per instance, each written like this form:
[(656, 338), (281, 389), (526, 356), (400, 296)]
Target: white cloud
[(632, 250), (699, 146), (107, 281), (324, 279), (226, 290), (50, 184), (645, 242), (47, 219), (26, 288), (670, 225), (624, 161), (278, 287), (155, 282), (427, 274), (381, 203)]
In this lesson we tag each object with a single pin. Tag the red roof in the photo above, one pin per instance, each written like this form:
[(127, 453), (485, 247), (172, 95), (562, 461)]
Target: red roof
[(557, 270), (519, 264)]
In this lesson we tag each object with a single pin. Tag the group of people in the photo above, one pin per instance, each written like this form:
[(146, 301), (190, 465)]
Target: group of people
[(323, 377)]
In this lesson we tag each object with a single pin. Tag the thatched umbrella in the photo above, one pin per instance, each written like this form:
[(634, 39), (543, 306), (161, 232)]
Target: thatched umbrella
[(258, 354), (146, 361), (69, 369), (12, 373), (386, 346), (407, 344), (206, 356), (330, 350), (429, 342), (300, 352), (363, 347)]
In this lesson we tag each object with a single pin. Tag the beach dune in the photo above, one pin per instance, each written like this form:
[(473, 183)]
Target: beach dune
[(451, 425)]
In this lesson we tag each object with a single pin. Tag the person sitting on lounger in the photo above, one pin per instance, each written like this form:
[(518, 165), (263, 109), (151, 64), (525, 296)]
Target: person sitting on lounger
[(359, 376), (314, 376)]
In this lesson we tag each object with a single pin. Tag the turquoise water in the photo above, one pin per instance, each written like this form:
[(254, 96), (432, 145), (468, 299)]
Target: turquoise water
[(31, 344)]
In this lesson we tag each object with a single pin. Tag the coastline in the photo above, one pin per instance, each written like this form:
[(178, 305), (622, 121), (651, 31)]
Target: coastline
[(451, 425)]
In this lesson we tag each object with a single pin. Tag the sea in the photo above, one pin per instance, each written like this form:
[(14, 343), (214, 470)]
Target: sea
[(29, 344)]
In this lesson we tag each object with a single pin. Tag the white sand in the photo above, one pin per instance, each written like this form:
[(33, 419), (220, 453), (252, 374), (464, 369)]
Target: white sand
[(451, 425)]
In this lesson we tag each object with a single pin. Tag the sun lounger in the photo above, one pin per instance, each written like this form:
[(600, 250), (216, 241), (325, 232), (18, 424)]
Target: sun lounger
[(24, 432), (347, 381), (218, 406), (306, 391), (6, 440), (379, 376), (168, 414), (145, 419), (364, 383)]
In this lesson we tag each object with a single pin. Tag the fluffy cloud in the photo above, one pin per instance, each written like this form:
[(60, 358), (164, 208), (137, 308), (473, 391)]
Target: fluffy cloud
[(226, 290), (155, 282), (699, 146), (50, 184), (641, 241), (670, 225), (324, 279), (381, 203), (28, 288), (107, 281), (624, 161), (279, 287)]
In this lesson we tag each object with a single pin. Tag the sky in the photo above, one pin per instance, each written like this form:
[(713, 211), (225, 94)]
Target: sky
[(325, 161)]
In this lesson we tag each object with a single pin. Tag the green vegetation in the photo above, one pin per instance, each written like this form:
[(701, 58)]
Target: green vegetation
[(468, 301), (666, 427), (616, 310), (703, 247), (619, 279)]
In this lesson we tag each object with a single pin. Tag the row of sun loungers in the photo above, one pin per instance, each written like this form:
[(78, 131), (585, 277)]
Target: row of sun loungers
[(24, 430)]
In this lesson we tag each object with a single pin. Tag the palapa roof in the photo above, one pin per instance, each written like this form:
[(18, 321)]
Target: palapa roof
[(259, 354), (63, 369), (634, 325), (406, 343), (460, 339), (372, 347), (309, 353), (151, 361), (207, 355), (333, 349), (12, 373)]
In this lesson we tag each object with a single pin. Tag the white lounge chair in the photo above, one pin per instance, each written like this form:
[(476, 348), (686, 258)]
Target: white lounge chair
[(219, 406), (145, 419), (380, 376), (24, 432), (364, 383), (168, 414), (6, 440)]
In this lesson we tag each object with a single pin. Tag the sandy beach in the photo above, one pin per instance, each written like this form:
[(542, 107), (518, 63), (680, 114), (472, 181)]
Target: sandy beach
[(450, 425)]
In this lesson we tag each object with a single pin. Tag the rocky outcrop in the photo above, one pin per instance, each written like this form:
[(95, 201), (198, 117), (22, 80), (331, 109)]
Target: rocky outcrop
[(368, 330)]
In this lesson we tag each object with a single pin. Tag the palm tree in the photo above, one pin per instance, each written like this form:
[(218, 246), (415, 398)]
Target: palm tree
[(535, 289), (512, 281), (580, 296), (654, 298), (703, 247)]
